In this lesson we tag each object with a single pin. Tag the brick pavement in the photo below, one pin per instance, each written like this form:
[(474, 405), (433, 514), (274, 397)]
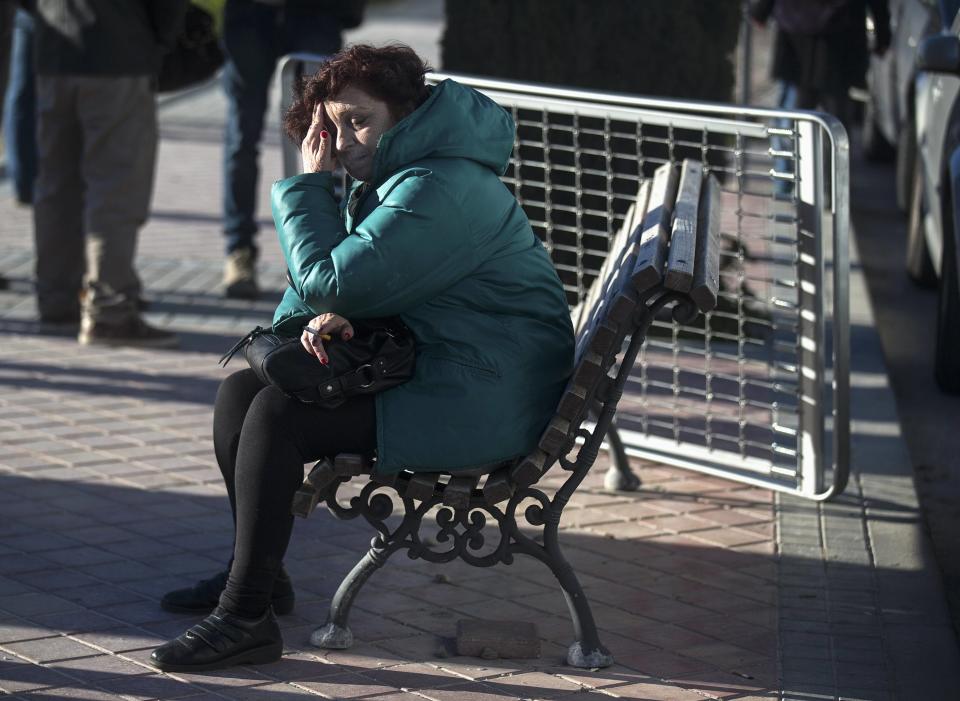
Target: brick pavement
[(703, 588)]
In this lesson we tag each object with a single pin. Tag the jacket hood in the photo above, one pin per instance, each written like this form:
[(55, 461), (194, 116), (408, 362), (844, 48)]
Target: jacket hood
[(454, 122)]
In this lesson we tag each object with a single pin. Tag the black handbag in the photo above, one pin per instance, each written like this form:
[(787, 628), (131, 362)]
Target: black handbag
[(379, 356), (195, 57)]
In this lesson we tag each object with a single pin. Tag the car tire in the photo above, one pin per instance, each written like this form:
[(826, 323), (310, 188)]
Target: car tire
[(906, 162), (918, 262), (947, 360), (876, 148)]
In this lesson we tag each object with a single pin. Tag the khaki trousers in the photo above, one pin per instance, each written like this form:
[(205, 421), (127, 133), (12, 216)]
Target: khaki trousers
[(97, 144)]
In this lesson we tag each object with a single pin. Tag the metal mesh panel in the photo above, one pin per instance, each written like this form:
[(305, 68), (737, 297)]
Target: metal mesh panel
[(729, 384)]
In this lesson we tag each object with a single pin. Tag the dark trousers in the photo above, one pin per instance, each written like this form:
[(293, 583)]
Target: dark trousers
[(262, 439), (20, 110), (97, 142), (255, 36)]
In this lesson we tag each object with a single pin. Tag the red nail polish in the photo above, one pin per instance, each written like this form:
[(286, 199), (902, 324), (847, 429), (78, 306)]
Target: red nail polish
[(324, 361), (324, 134)]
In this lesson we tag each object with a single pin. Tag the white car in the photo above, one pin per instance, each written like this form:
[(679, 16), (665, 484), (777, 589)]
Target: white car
[(888, 120), (934, 228)]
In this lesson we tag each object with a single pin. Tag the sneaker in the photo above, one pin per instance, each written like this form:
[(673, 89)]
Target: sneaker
[(222, 640), (133, 332), (204, 596), (240, 274)]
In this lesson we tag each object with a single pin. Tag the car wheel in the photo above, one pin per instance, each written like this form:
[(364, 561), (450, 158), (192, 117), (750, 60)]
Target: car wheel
[(919, 264), (875, 145), (906, 160), (947, 360)]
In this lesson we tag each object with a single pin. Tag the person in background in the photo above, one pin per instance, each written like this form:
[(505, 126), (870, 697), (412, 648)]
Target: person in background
[(19, 108), (256, 33), (97, 62), (821, 49)]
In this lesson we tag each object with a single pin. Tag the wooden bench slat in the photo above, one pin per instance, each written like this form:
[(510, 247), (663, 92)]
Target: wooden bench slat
[(529, 470), (573, 403), (605, 337), (706, 276), (498, 486), (456, 493), (421, 486), (351, 464), (655, 228), (611, 276), (683, 236), (555, 436), (386, 479), (588, 371)]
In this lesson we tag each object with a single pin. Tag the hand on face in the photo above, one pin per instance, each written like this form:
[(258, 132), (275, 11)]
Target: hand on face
[(317, 150)]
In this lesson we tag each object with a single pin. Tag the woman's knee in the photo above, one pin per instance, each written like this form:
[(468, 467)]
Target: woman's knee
[(239, 388), (271, 408)]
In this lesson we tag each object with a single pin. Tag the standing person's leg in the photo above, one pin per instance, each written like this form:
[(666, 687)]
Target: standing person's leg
[(279, 435), (19, 111), (119, 118), (234, 397), (249, 38), (58, 201), (307, 31)]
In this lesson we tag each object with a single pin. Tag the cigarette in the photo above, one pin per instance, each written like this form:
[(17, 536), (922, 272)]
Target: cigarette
[(312, 331)]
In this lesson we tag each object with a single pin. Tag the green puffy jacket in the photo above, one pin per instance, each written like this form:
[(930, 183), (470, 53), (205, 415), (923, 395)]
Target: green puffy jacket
[(437, 239)]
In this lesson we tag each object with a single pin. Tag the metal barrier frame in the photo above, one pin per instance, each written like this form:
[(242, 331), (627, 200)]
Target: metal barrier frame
[(822, 206)]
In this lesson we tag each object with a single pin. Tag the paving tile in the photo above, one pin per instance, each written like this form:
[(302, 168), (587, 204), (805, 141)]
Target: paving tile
[(146, 687), (95, 596), (35, 602), (652, 690), (471, 691), (91, 670), (20, 676), (69, 693), (9, 587), (344, 685), (49, 649), (120, 639), (68, 622), (15, 629), (412, 677)]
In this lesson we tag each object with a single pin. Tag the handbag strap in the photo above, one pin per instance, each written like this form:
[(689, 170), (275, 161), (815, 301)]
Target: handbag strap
[(363, 377), (228, 356)]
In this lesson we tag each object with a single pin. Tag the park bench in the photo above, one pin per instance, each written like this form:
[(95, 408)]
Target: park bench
[(666, 253)]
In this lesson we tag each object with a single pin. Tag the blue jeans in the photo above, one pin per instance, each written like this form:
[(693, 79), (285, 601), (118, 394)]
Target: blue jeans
[(19, 110), (255, 36)]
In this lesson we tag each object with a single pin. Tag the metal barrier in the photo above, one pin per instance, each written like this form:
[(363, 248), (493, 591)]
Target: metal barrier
[(759, 391)]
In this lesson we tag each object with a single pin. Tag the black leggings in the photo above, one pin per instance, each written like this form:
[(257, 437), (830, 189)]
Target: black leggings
[(262, 439)]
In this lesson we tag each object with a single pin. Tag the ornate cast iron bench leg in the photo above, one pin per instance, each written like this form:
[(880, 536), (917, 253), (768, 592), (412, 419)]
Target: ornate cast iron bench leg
[(619, 478), (335, 633), (586, 650)]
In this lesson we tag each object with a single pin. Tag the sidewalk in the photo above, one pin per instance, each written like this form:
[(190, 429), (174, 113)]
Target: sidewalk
[(703, 588)]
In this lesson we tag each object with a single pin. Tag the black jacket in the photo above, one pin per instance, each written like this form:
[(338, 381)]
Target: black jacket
[(823, 43), (105, 37)]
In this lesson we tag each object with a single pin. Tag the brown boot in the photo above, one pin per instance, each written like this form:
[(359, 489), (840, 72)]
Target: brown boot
[(134, 332), (240, 274)]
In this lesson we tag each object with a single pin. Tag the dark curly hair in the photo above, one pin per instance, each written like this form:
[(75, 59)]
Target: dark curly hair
[(392, 74)]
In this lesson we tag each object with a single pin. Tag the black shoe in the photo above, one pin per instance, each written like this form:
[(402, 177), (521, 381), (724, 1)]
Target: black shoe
[(204, 596), (221, 640), (68, 317)]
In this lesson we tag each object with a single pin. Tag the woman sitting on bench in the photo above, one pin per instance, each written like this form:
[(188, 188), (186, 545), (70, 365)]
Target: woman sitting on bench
[(429, 233)]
